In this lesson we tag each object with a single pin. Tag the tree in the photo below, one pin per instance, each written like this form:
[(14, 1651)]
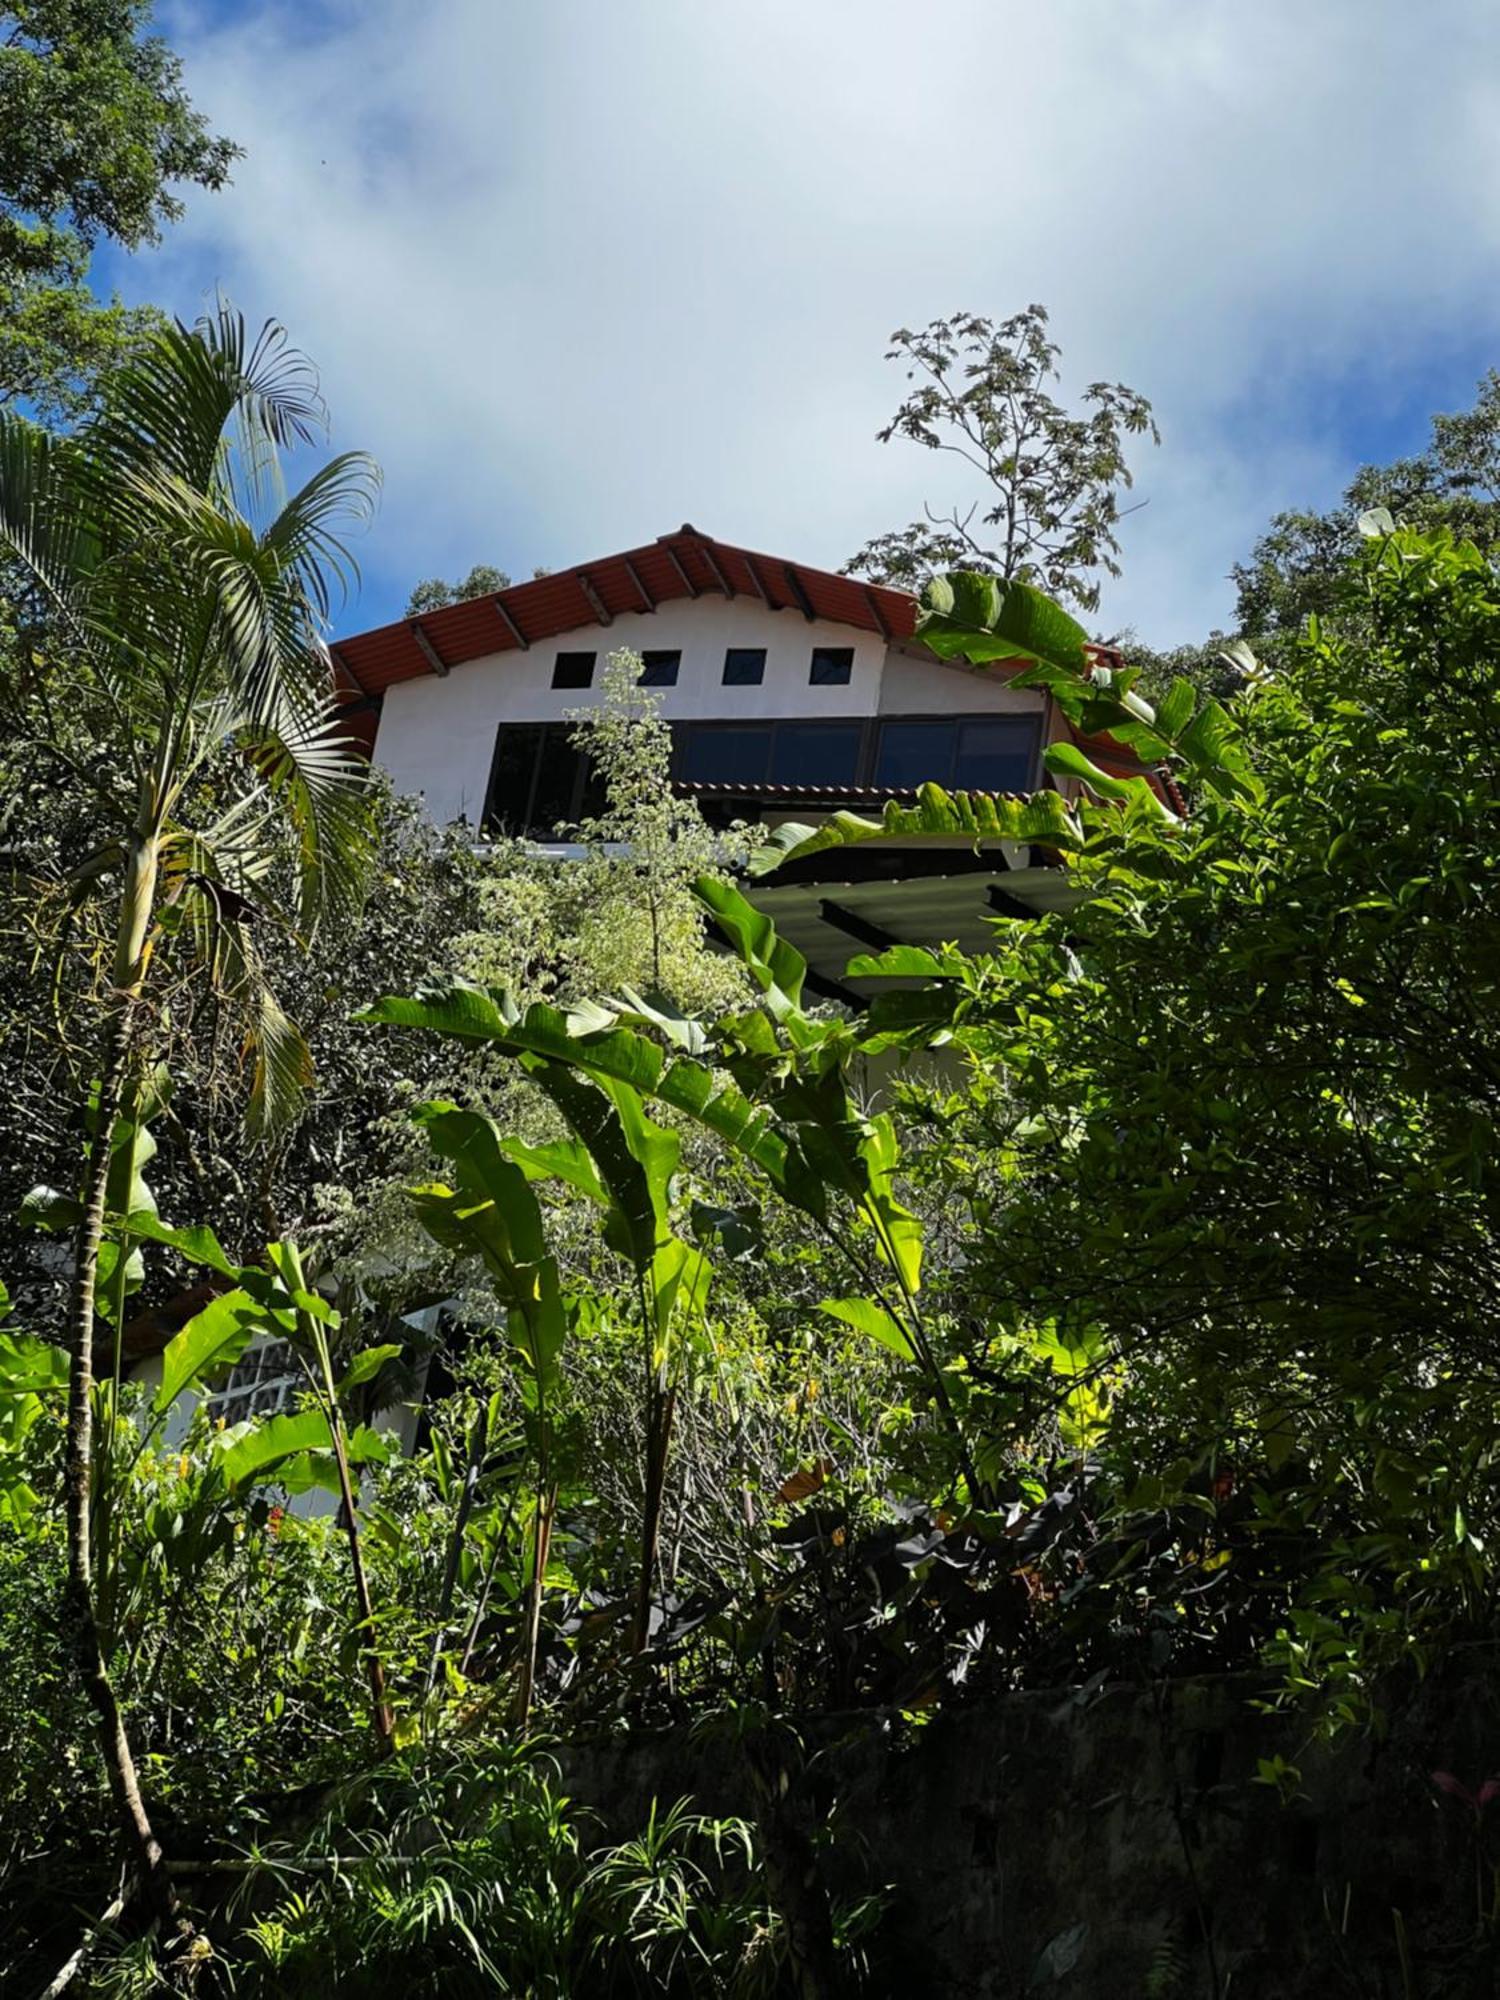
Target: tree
[(1301, 564), (432, 593), (96, 134), (623, 913), (1048, 505), (193, 637), (1250, 1225)]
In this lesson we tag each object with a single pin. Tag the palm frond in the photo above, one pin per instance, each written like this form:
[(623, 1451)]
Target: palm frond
[(283, 1068), (303, 534), (320, 780), (46, 526)]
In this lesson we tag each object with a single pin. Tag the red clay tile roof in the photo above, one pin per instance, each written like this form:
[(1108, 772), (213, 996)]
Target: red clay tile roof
[(684, 565)]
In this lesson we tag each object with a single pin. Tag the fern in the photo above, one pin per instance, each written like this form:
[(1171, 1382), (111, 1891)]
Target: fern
[(1167, 1978)]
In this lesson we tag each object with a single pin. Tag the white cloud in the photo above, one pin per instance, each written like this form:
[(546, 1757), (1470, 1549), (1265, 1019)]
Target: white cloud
[(576, 273)]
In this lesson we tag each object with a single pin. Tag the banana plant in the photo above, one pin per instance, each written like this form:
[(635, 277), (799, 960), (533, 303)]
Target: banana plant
[(625, 1162), (295, 1449), (789, 1111), (490, 1212), (985, 620)]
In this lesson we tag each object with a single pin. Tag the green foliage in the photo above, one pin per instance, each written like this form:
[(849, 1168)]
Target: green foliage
[(432, 593), (1048, 506), (96, 136)]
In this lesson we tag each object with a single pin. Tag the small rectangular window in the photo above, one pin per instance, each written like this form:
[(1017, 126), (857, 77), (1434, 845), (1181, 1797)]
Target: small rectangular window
[(744, 666), (659, 670), (573, 670), (831, 666)]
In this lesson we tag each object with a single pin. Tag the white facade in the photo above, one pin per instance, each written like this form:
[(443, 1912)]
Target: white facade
[(437, 734)]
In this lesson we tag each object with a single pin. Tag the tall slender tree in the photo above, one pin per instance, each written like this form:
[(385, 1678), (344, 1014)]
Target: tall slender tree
[(184, 600)]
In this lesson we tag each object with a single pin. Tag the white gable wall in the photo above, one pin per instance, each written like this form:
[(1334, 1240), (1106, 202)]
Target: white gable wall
[(927, 687), (437, 734)]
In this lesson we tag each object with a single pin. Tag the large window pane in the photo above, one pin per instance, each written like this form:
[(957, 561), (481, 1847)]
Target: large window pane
[(556, 782), (995, 754), (816, 753), (731, 754), (509, 801), (915, 753)]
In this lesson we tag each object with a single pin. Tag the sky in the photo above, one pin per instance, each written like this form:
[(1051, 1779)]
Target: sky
[(578, 272)]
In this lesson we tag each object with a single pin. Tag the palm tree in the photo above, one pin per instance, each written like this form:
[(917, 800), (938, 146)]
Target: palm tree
[(183, 599)]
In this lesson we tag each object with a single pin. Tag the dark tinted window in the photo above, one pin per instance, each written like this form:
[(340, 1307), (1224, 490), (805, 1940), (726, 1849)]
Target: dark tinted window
[(816, 753), (573, 670), (915, 753), (659, 670), (731, 754), (744, 666), (994, 753), (509, 805), (539, 780), (831, 666), (975, 753), (557, 774)]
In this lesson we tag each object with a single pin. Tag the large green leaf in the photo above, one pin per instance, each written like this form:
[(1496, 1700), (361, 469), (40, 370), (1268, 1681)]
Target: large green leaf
[(635, 1157), (1066, 760), (1045, 820), (680, 1277), (494, 1214), (214, 1338), (615, 1053), (367, 1365), (270, 1444), (29, 1366), (868, 1318), (971, 617), (777, 967), (197, 1243)]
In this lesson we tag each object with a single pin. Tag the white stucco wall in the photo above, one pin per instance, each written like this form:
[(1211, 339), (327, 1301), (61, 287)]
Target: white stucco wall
[(437, 736), (929, 687)]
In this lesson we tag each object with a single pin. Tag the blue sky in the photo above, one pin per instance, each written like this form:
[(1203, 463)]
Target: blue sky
[(577, 273)]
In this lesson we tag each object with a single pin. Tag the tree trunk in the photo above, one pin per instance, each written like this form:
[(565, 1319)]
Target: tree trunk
[(546, 1504), (81, 1625), (479, 1443), (659, 1413), (87, 1656)]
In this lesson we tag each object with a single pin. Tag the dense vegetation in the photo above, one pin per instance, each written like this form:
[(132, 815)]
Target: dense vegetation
[(1113, 1304), (1136, 1327)]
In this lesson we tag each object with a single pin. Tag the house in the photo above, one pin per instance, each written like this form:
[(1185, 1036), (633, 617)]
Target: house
[(791, 692)]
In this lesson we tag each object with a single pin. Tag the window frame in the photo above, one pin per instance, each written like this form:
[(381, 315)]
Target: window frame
[(524, 825), (684, 732), (234, 1400)]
